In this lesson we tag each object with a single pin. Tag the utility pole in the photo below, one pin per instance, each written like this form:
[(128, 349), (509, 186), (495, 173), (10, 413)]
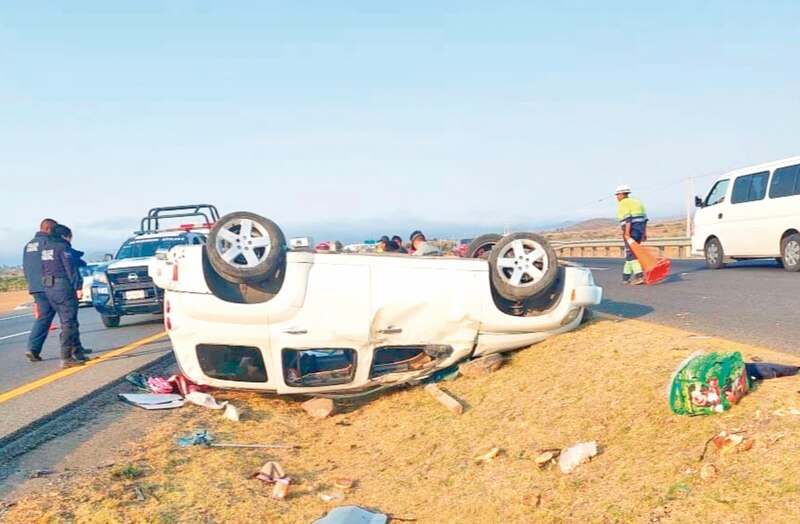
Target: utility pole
[(689, 205)]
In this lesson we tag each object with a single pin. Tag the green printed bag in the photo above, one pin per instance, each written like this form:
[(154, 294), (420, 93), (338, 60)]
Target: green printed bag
[(708, 383)]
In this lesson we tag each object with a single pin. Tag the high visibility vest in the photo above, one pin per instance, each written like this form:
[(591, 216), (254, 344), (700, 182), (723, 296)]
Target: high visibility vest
[(631, 210)]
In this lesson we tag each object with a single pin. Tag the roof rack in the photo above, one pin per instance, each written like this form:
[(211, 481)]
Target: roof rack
[(150, 223)]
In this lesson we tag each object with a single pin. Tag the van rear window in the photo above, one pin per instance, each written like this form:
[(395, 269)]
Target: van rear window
[(785, 182), (750, 188)]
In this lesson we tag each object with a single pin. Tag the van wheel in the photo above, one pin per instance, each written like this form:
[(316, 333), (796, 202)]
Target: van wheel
[(715, 256), (522, 265), (790, 252), (246, 248), (482, 245)]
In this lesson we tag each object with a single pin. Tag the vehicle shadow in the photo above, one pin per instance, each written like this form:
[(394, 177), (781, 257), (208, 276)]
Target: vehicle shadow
[(622, 309)]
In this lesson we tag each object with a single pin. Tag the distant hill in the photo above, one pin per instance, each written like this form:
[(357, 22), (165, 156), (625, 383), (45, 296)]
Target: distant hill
[(591, 224), (608, 228)]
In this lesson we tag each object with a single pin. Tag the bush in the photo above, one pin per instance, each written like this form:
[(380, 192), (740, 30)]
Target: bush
[(13, 284)]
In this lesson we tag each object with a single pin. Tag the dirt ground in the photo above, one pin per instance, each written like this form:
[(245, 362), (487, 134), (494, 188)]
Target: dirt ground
[(11, 299), (411, 458)]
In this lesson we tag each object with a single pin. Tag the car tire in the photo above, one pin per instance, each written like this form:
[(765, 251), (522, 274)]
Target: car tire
[(481, 246), (715, 256), (522, 266), (110, 321), (790, 252), (246, 248)]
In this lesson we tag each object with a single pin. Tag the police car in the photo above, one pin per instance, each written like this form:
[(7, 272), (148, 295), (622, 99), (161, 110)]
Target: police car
[(122, 286), (244, 311)]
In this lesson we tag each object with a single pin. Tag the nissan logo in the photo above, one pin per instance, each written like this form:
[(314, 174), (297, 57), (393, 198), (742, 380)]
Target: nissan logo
[(133, 277)]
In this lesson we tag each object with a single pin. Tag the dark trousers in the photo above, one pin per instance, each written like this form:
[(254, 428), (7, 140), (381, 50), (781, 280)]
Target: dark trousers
[(44, 314), (62, 297), (637, 233)]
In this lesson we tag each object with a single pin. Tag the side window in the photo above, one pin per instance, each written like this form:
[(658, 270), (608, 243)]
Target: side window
[(750, 188), (758, 186), (717, 193), (784, 182)]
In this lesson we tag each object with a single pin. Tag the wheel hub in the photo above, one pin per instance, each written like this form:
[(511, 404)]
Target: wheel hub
[(243, 243), (792, 254), (523, 262)]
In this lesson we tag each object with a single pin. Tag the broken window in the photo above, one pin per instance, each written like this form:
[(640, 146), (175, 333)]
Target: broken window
[(318, 367), (236, 363), (397, 359)]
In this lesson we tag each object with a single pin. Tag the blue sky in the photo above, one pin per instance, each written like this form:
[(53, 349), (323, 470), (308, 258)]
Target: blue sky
[(452, 115)]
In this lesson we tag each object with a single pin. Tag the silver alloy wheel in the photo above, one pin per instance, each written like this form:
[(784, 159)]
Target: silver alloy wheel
[(712, 253), (523, 262), (243, 243), (791, 256)]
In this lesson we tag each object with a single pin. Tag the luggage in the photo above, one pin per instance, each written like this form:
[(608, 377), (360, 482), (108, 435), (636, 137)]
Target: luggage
[(708, 383)]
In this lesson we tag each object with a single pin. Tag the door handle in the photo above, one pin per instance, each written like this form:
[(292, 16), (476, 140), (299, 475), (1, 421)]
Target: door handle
[(295, 331), (391, 331), (719, 215)]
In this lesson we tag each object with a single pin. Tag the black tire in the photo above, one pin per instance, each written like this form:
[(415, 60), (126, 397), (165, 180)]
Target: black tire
[(522, 266), (110, 321), (482, 245), (234, 256), (790, 252), (715, 255)]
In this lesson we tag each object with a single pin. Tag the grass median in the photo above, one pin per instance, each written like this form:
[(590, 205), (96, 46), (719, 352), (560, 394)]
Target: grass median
[(415, 460)]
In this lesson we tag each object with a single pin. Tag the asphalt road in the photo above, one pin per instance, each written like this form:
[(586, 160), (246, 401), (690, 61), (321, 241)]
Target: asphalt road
[(754, 302), (16, 370)]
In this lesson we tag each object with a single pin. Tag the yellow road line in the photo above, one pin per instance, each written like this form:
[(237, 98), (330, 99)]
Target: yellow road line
[(36, 384)]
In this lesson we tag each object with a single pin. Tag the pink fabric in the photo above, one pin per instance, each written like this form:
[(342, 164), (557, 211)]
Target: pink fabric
[(184, 385), (159, 385)]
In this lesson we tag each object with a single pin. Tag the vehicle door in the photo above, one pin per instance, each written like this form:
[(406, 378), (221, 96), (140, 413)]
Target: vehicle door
[(742, 218), (319, 343), (417, 302), (708, 221)]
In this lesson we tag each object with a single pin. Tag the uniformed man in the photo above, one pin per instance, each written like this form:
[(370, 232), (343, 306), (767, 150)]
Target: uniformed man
[(43, 311), (63, 233), (633, 220), (60, 278)]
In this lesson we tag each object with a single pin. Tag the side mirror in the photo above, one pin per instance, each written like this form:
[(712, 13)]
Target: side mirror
[(698, 202), (107, 257)]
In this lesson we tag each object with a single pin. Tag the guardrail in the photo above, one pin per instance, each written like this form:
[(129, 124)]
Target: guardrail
[(673, 247)]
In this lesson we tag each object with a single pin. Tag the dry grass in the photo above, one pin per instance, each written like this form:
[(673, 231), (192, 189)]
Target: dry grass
[(11, 299), (413, 459)]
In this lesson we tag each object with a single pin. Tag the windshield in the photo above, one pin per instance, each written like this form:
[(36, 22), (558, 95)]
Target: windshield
[(147, 247), (717, 193)]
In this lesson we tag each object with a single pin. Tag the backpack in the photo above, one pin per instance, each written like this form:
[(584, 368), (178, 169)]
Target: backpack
[(708, 383)]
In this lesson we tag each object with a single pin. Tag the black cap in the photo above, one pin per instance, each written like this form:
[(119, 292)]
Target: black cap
[(416, 234), (384, 239)]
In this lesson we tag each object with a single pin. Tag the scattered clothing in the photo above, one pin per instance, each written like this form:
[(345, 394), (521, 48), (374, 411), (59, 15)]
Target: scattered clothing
[(352, 515), (199, 437), (765, 370)]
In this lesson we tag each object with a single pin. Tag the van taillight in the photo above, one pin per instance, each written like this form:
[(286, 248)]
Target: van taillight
[(166, 306), (168, 323), (175, 273)]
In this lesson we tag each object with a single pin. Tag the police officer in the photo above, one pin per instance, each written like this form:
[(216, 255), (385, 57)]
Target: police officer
[(43, 311), (63, 233), (633, 221), (60, 278)]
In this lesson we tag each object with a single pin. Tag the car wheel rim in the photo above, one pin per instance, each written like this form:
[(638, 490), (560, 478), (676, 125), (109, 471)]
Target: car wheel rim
[(523, 262), (792, 255), (712, 253), (243, 243)]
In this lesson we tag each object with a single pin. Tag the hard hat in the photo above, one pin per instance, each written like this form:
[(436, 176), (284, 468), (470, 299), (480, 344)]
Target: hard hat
[(622, 189)]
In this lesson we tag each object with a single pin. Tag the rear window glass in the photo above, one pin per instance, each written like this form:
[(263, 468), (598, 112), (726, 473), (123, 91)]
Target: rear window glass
[(236, 363), (749, 188), (785, 182)]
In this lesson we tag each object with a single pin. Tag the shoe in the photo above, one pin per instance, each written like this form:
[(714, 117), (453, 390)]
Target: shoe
[(80, 357), (86, 351), (638, 281), (33, 357), (71, 363)]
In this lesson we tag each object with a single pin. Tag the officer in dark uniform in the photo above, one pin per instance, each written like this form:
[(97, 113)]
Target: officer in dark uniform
[(60, 278), (43, 311), (63, 233)]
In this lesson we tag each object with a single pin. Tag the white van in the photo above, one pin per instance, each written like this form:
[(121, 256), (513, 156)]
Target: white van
[(752, 212)]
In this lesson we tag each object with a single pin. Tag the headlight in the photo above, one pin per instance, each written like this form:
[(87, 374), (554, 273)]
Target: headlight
[(101, 277)]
